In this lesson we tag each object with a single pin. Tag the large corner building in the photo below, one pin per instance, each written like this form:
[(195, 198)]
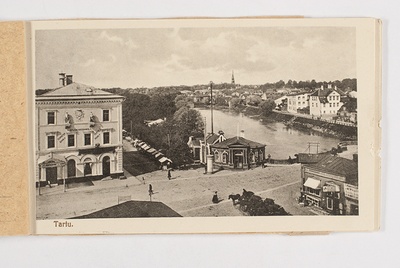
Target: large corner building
[(78, 133)]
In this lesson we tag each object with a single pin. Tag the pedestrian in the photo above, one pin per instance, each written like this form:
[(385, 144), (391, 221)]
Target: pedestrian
[(169, 174), (144, 182), (150, 189), (215, 198)]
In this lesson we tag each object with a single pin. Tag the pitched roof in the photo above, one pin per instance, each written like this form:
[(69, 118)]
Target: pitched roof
[(337, 165), (76, 89), (298, 93), (133, 209), (211, 138), (238, 141)]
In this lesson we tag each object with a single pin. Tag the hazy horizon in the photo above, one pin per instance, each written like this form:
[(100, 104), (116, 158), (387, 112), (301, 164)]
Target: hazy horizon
[(136, 58)]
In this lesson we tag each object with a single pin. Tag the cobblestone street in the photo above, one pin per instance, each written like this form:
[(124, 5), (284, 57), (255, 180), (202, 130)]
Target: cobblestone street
[(188, 192)]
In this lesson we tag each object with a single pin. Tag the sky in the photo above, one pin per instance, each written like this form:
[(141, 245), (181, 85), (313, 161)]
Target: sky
[(149, 57)]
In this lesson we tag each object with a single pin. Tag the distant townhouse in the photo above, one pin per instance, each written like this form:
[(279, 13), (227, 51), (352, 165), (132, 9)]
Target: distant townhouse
[(296, 101), (326, 102), (78, 133)]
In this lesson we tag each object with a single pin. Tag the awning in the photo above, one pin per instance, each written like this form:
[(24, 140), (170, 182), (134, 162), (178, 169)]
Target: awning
[(313, 183), (164, 159), (151, 150), (146, 147)]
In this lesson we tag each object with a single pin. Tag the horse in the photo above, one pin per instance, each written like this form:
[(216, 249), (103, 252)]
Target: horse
[(269, 201), (247, 194), (234, 197)]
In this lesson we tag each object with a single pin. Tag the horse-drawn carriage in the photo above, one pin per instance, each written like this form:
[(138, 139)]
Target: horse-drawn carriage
[(254, 205)]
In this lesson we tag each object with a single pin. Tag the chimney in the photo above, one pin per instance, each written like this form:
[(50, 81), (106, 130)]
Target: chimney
[(61, 79), (68, 80), (242, 133)]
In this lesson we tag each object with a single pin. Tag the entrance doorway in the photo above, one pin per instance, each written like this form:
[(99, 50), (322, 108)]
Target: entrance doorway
[(238, 161), (71, 168), (106, 166), (51, 175), (87, 170)]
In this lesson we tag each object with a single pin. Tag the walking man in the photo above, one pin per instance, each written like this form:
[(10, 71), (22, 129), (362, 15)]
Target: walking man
[(150, 189), (169, 174)]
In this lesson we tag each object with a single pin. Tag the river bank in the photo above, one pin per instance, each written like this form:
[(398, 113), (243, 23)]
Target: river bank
[(342, 132)]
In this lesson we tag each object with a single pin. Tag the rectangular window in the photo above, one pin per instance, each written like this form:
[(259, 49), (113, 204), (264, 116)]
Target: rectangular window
[(88, 139), (51, 142), (106, 115), (106, 137), (51, 118), (71, 140), (330, 104)]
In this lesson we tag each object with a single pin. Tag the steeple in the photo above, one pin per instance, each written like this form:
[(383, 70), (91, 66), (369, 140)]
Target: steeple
[(233, 78)]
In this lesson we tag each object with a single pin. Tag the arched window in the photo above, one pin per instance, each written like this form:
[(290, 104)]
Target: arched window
[(216, 156), (225, 157), (251, 156)]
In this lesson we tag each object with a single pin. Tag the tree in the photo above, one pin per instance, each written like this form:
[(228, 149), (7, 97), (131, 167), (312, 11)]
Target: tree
[(280, 84), (254, 100), (235, 102), (289, 83), (267, 106)]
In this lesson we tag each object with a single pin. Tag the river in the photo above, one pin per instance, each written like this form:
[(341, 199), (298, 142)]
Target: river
[(281, 141)]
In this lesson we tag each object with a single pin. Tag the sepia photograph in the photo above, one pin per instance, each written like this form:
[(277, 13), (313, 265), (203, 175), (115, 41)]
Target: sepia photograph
[(196, 122)]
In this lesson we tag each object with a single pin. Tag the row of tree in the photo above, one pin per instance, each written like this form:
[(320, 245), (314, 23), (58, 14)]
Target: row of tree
[(170, 137), (348, 83)]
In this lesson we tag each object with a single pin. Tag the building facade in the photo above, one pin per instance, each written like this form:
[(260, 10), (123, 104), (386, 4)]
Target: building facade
[(238, 153), (325, 102), (297, 101), (332, 185), (78, 133), (200, 148)]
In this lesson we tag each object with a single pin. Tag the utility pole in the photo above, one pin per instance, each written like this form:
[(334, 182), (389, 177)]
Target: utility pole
[(211, 106)]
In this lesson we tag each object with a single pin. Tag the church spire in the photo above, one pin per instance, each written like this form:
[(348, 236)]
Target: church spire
[(233, 78)]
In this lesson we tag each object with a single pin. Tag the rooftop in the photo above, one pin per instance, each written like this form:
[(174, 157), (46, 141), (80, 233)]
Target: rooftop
[(238, 141), (337, 165), (133, 209)]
